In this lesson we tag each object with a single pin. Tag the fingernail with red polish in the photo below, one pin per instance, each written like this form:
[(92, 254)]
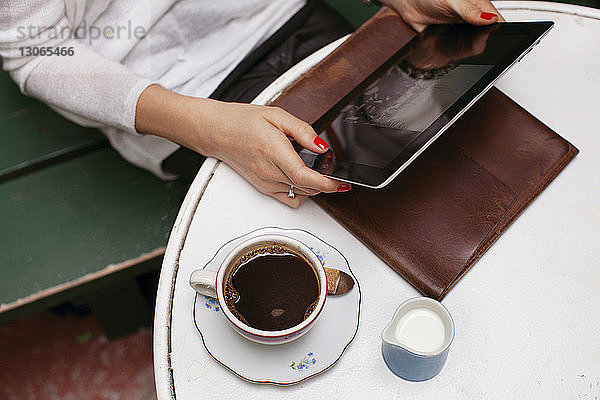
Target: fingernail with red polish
[(343, 188), (488, 16), (321, 143)]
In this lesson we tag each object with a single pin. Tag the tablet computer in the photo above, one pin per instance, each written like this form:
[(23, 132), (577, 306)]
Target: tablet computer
[(415, 96)]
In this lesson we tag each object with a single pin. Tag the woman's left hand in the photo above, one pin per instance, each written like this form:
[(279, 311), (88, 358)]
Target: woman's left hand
[(420, 13)]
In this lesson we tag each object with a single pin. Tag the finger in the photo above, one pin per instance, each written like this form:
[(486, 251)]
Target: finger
[(418, 26), (302, 176), (269, 187), (476, 12), (279, 187), (308, 178), (282, 154), (297, 129), (488, 7), (295, 202), (271, 179)]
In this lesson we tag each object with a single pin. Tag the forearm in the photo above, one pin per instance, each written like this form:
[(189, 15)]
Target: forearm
[(98, 91), (181, 119), (82, 83)]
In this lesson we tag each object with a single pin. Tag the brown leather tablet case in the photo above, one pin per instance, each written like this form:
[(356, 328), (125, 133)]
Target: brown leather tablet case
[(438, 217)]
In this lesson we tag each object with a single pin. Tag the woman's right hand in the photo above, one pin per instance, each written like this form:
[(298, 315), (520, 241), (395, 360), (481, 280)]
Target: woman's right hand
[(253, 140)]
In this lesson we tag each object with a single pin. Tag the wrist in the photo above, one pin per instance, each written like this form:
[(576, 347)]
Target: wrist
[(178, 118), (154, 110)]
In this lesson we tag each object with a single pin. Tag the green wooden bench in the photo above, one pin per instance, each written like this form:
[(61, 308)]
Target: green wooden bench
[(76, 220)]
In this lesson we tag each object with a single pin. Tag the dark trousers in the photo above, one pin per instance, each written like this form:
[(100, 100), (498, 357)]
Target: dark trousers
[(311, 28)]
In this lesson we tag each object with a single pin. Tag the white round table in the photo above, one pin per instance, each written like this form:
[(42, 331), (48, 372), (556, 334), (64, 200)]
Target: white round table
[(527, 315)]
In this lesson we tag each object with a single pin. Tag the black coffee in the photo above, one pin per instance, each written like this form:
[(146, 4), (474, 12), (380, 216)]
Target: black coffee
[(272, 288)]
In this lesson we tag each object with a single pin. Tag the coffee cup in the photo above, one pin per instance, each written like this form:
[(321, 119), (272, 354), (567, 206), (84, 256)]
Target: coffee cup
[(271, 288)]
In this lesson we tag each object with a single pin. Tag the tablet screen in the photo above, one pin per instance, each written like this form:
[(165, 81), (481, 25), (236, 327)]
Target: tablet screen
[(429, 82)]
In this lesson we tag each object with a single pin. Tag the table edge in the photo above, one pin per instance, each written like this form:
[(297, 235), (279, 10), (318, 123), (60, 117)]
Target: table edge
[(163, 377)]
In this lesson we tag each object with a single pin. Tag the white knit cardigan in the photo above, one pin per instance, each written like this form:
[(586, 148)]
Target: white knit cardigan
[(106, 52)]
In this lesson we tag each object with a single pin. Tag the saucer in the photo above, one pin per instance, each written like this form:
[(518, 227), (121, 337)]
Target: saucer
[(290, 363)]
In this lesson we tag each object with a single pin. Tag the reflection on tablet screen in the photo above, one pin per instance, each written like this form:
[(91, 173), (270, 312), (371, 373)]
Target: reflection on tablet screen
[(387, 117)]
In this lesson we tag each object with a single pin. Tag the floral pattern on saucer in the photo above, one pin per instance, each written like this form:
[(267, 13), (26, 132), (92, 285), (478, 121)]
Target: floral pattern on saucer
[(295, 361), (211, 304), (305, 364)]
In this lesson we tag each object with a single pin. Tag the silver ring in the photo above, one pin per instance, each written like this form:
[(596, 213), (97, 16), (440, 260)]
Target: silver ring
[(291, 193)]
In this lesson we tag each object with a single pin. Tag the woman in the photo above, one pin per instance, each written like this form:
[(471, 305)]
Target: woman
[(143, 72)]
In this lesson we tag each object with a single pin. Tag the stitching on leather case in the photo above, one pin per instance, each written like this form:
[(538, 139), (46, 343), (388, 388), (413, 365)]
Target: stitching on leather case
[(520, 207)]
